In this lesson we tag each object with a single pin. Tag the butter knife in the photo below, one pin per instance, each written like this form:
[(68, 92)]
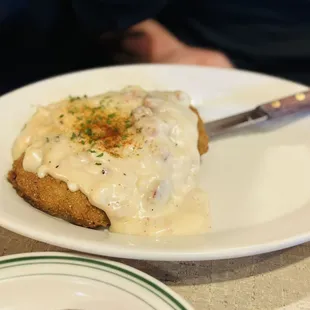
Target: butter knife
[(262, 113)]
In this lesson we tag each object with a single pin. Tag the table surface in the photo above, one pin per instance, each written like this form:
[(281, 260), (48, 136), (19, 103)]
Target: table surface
[(279, 280)]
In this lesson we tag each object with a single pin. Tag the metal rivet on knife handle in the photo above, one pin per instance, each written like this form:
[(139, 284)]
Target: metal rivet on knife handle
[(276, 104), (300, 96)]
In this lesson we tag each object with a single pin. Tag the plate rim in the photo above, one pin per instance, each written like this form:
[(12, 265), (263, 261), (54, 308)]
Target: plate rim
[(87, 261), (143, 65)]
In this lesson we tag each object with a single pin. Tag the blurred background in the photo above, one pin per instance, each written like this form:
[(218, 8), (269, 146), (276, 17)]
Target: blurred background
[(39, 39)]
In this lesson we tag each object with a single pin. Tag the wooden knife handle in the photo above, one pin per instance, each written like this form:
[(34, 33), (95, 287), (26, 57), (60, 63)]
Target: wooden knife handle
[(287, 105)]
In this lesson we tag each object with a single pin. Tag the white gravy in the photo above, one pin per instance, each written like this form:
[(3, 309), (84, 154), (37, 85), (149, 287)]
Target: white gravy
[(132, 153)]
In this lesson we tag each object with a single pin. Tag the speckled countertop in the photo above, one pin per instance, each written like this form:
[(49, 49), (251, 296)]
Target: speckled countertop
[(279, 280)]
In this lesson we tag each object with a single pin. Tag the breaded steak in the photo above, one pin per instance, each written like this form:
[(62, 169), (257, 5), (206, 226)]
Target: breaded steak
[(53, 196)]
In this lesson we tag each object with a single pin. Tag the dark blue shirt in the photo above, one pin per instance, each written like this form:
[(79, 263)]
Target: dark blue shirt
[(43, 38)]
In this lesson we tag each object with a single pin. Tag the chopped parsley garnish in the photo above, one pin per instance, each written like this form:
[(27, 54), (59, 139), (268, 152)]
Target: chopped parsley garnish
[(72, 98), (83, 142), (124, 137), (100, 155), (108, 121), (98, 164), (61, 116), (88, 131), (111, 115), (127, 123), (73, 136), (92, 151)]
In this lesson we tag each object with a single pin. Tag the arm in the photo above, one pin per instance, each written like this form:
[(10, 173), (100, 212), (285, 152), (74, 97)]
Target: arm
[(149, 41)]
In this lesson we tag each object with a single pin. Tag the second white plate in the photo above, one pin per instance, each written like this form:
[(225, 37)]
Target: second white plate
[(58, 281)]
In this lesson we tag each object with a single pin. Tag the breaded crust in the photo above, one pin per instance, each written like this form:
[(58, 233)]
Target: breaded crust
[(53, 196), (203, 139)]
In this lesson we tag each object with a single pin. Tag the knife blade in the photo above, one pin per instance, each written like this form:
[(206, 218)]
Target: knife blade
[(262, 113)]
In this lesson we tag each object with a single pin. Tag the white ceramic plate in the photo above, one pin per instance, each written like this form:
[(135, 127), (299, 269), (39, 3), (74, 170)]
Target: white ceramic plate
[(57, 281), (258, 182)]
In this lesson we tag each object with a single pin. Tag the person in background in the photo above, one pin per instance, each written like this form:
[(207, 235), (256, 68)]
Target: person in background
[(39, 39)]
